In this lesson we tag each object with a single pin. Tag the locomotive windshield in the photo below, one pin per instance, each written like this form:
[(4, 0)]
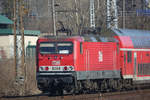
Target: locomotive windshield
[(56, 47)]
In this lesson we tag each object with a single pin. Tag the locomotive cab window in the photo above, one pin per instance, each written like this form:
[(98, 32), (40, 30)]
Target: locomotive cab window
[(56, 47), (65, 48), (47, 48), (129, 56)]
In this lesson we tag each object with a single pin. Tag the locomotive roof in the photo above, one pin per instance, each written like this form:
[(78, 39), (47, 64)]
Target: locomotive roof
[(98, 38), (85, 37), (140, 38)]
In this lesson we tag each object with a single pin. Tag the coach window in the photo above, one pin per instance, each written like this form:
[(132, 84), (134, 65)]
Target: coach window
[(129, 56), (81, 48)]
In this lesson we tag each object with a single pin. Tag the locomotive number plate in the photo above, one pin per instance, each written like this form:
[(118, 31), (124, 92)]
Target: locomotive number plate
[(56, 68)]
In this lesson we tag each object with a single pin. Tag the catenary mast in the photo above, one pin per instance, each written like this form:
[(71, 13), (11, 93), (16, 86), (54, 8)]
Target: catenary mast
[(112, 14), (92, 14), (19, 53)]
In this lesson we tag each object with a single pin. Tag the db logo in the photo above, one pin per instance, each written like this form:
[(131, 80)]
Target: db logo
[(55, 62), (100, 56)]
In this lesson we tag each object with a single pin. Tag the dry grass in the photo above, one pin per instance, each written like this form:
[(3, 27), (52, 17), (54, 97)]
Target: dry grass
[(8, 86)]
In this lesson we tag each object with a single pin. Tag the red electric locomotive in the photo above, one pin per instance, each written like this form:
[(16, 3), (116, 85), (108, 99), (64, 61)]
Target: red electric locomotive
[(83, 63)]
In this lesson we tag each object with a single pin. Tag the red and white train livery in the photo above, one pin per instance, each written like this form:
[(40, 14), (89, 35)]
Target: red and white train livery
[(91, 62)]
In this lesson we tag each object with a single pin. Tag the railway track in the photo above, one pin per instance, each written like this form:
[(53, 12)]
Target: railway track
[(127, 95)]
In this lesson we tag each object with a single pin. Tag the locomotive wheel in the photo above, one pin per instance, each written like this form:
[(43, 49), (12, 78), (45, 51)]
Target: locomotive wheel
[(119, 85), (115, 85), (104, 86), (127, 84), (95, 86), (69, 90), (78, 89), (54, 92)]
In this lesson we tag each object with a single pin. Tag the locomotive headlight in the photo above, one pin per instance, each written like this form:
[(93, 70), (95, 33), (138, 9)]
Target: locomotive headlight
[(46, 68), (65, 68), (70, 68), (41, 68)]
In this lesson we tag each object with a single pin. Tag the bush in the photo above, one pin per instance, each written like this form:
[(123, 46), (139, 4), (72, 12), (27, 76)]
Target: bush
[(8, 85)]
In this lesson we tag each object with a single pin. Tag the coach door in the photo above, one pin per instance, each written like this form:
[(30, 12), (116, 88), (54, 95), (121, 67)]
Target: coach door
[(135, 64), (127, 62)]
